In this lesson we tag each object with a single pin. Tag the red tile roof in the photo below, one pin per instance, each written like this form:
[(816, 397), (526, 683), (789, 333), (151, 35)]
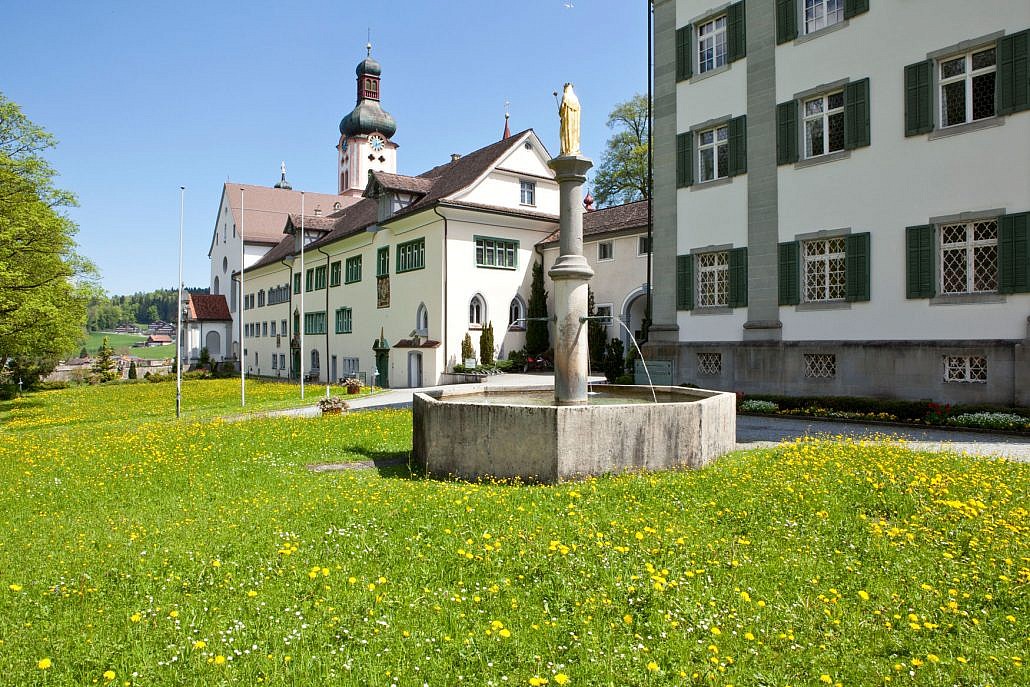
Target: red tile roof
[(207, 308), (265, 209)]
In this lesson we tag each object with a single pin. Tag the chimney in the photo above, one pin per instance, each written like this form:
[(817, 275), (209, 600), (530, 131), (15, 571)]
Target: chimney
[(318, 211), (455, 157)]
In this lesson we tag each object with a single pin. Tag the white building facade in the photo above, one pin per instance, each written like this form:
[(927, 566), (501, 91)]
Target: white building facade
[(842, 190)]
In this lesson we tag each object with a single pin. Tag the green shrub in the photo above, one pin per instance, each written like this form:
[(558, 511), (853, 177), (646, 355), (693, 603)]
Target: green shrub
[(755, 406), (625, 379), (989, 420)]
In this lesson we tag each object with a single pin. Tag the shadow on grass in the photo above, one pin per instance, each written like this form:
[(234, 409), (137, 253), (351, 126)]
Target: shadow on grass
[(18, 404), (389, 464)]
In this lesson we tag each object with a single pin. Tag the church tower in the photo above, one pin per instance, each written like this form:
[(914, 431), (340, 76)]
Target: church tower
[(365, 133)]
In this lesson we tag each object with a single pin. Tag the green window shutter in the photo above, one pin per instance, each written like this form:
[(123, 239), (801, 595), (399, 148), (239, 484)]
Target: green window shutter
[(919, 258), (684, 160), (786, 20), (790, 292), (918, 98), (737, 146), (738, 278), (787, 133), (684, 282), (856, 270), (1014, 253), (684, 56), (296, 283), (1014, 73), (736, 36), (856, 114), (853, 7)]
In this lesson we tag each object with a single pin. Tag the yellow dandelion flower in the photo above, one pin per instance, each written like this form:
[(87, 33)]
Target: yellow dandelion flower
[(44, 664), (561, 679), (219, 660), (536, 681), (109, 675), (716, 631), (173, 614), (199, 644), (216, 564), (933, 658), (864, 595), (628, 619), (826, 678), (745, 596), (135, 617), (15, 587), (505, 633), (652, 667), (749, 637), (252, 593)]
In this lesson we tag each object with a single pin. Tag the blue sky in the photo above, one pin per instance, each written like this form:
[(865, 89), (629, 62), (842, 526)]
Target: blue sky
[(145, 97)]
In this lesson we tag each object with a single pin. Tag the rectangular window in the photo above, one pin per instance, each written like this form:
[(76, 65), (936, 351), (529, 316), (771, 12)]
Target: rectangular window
[(383, 262), (822, 13), (709, 364), (411, 255), (713, 153), (969, 257), (274, 360), (352, 272), (824, 124), (824, 270), (711, 45), (320, 273), (820, 365), (967, 84), (350, 366), (713, 279), (500, 253), (282, 327), (296, 283), (335, 270), (527, 192), (604, 310), (309, 279), (965, 368), (343, 320), (314, 323), (273, 327), (605, 250), (282, 361), (264, 329), (643, 246)]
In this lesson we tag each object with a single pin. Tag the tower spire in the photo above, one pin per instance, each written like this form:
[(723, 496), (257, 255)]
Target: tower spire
[(507, 115)]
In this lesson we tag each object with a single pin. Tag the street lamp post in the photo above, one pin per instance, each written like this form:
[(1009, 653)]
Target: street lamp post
[(178, 329)]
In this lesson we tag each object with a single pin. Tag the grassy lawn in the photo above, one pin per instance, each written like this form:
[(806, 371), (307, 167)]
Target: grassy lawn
[(204, 553), (122, 344)]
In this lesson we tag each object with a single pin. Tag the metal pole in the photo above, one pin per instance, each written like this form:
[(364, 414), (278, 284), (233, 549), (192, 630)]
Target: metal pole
[(178, 329), (243, 361), (303, 286), (650, 174)]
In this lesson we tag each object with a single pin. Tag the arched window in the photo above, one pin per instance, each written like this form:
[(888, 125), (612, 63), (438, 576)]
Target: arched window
[(422, 320), (215, 286), (336, 206), (517, 314), (314, 359), (477, 311)]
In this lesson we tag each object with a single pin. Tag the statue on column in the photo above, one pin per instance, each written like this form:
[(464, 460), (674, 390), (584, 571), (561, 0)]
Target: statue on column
[(568, 112)]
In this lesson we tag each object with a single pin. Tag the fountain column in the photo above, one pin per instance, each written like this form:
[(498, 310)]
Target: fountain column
[(570, 275)]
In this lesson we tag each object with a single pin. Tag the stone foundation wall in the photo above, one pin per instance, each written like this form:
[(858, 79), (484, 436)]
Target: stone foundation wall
[(880, 369)]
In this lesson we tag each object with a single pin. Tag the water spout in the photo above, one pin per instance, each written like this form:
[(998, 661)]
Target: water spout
[(631, 338)]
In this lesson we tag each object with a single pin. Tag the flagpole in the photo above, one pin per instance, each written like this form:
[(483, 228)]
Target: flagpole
[(303, 286), (243, 361), (178, 329)]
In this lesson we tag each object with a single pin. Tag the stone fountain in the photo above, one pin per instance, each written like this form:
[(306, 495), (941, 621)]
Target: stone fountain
[(548, 434)]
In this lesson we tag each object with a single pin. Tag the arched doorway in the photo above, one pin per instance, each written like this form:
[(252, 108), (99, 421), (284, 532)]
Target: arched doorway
[(632, 313), (213, 343)]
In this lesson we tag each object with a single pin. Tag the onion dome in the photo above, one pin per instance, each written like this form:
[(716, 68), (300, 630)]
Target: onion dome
[(368, 116), (588, 202)]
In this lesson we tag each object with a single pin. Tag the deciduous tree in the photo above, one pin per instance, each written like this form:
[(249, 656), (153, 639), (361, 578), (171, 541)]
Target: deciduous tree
[(44, 283), (622, 174)]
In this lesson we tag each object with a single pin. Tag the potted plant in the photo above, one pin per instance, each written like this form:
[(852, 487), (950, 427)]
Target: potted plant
[(353, 385), (332, 405)]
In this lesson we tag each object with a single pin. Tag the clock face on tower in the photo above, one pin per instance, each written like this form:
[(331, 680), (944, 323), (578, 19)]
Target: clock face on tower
[(377, 142)]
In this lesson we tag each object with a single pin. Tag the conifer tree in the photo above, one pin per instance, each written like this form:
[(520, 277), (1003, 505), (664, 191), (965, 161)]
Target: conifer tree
[(538, 335), (104, 366), (595, 334), (486, 345), (132, 370), (467, 351)]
